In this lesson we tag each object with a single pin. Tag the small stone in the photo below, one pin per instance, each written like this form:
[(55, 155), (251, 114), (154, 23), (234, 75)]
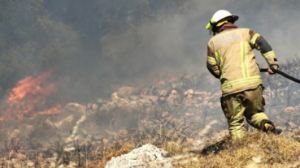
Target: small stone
[(94, 107), (291, 125), (126, 91), (30, 163), (163, 93), (174, 92), (21, 156), (114, 96), (153, 98), (134, 97), (189, 92), (289, 109)]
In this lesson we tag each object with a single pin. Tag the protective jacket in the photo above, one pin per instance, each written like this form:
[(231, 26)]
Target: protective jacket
[(231, 59)]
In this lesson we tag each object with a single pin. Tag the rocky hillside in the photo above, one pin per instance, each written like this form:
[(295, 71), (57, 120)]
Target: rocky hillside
[(180, 115)]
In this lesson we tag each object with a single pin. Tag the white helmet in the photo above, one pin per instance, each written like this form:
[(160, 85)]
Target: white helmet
[(221, 17)]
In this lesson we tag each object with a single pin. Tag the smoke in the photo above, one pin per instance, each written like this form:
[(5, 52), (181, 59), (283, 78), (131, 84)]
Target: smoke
[(177, 42), (275, 20), (167, 45), (101, 45)]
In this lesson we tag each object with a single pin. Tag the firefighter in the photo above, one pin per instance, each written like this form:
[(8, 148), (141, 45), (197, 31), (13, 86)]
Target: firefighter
[(231, 59)]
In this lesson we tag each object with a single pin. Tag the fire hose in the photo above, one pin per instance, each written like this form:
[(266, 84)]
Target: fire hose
[(281, 73)]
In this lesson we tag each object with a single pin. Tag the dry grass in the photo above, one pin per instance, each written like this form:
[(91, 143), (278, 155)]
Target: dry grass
[(126, 148), (256, 150)]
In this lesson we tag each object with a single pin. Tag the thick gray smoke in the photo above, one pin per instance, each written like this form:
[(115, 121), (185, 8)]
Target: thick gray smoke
[(102, 44), (177, 42), (170, 43)]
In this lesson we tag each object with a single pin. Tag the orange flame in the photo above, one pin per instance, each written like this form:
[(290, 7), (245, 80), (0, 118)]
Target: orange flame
[(29, 96)]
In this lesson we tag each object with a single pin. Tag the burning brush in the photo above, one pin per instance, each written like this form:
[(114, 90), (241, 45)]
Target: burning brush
[(29, 97)]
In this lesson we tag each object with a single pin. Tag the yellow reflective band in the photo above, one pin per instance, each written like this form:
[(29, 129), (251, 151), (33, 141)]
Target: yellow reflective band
[(235, 110), (234, 113), (211, 60), (244, 60), (241, 81), (208, 26), (254, 38), (259, 118), (220, 62), (269, 54)]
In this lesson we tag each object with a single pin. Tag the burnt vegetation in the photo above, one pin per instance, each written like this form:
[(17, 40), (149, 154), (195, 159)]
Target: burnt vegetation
[(116, 108), (177, 116)]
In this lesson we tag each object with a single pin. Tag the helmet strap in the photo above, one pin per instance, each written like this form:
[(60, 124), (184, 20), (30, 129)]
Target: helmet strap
[(210, 31)]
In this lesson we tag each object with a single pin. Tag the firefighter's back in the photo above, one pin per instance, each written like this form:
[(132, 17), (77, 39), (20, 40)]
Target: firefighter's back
[(234, 55)]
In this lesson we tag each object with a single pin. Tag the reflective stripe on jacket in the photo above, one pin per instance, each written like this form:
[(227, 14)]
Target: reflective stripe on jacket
[(231, 59)]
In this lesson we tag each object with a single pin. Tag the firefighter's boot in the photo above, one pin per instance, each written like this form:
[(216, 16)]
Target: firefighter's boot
[(269, 127)]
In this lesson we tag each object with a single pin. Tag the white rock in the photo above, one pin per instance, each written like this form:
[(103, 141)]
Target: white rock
[(140, 157)]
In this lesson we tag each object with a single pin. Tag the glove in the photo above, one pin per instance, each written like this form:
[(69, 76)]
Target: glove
[(275, 66)]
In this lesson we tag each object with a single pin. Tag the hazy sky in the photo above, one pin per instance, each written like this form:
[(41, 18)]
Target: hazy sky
[(178, 41), (98, 45)]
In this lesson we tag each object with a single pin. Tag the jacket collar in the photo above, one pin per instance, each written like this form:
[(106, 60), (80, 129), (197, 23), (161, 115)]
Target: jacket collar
[(227, 26)]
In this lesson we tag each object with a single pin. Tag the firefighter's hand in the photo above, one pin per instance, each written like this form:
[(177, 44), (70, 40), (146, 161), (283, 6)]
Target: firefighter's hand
[(270, 71), (273, 69)]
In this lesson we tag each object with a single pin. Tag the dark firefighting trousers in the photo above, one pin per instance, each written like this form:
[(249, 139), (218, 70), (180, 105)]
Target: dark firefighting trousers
[(248, 104)]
